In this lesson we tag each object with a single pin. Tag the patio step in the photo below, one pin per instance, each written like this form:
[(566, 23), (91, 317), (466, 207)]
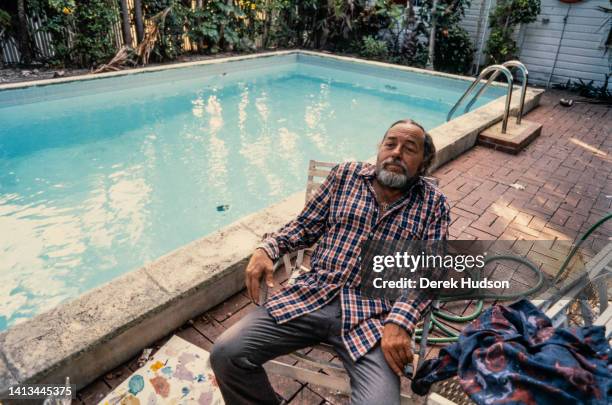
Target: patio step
[(516, 138)]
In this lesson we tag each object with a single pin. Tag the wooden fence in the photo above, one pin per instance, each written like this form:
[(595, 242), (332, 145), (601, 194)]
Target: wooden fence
[(43, 41), (9, 54)]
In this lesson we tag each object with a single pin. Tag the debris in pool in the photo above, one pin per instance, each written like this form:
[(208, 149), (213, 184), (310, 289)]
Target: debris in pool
[(389, 87), (221, 208)]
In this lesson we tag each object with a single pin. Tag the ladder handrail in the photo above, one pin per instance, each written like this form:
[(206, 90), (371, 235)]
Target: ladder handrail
[(509, 64), (485, 72)]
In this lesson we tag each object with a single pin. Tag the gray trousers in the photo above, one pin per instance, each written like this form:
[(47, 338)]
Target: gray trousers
[(239, 353)]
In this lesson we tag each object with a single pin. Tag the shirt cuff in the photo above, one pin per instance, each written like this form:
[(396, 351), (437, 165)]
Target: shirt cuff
[(406, 314), (270, 246)]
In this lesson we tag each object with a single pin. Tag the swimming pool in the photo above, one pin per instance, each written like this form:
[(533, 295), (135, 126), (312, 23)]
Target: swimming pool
[(99, 177)]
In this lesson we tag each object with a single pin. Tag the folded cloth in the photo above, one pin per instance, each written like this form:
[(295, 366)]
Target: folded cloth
[(512, 355)]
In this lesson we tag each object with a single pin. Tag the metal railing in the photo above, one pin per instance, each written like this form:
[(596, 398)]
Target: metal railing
[(491, 73), (509, 64)]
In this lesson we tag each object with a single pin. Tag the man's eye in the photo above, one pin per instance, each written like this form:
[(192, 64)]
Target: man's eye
[(390, 145)]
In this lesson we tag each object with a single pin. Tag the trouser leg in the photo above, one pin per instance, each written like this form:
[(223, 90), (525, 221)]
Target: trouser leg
[(372, 380), (239, 353)]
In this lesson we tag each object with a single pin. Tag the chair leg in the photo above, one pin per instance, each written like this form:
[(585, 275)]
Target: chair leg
[(425, 335)]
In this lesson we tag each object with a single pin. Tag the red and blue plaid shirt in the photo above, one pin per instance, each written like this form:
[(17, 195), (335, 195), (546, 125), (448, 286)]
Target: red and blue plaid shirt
[(342, 214)]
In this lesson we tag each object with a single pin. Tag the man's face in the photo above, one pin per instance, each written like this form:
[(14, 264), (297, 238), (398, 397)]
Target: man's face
[(400, 155)]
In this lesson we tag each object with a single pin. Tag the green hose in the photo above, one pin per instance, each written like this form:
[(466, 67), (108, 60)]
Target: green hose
[(452, 336)]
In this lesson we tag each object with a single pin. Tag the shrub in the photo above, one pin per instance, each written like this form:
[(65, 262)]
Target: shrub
[(373, 48), (454, 50), (508, 13), (93, 42)]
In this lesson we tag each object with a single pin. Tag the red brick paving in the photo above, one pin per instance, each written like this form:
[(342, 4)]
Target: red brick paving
[(566, 175)]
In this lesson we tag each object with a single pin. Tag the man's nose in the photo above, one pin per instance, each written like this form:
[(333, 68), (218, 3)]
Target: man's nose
[(396, 152)]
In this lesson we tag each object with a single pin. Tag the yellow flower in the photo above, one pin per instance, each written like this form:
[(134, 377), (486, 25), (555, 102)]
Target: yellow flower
[(253, 6), (67, 10)]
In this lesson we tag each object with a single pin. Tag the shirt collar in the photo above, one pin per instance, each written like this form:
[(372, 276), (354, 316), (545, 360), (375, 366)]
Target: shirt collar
[(368, 171)]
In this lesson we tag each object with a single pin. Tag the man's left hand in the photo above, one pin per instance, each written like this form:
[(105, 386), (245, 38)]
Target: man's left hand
[(396, 345)]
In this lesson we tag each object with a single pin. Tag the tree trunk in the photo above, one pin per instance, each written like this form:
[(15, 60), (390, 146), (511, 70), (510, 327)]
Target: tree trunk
[(138, 20), (199, 6), (125, 23), (1, 52), (23, 36), (432, 37)]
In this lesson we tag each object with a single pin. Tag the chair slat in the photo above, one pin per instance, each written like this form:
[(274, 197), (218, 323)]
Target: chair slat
[(318, 173), (324, 164)]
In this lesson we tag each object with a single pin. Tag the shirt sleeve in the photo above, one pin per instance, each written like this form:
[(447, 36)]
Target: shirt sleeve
[(308, 227), (408, 309)]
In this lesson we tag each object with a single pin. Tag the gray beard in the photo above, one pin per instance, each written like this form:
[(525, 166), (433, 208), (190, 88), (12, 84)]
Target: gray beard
[(392, 180)]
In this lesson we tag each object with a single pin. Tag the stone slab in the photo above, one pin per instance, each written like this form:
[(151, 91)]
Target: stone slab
[(516, 138), (6, 376), (460, 134), (38, 346)]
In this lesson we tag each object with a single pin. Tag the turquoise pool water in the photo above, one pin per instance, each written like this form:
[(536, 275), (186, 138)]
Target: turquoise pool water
[(99, 177)]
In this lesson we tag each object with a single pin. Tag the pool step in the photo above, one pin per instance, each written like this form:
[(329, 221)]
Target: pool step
[(516, 138)]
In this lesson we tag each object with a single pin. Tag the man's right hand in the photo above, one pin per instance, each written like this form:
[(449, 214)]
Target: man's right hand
[(259, 266)]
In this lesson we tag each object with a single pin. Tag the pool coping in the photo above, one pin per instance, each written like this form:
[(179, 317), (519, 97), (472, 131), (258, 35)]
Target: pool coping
[(103, 328), (182, 65)]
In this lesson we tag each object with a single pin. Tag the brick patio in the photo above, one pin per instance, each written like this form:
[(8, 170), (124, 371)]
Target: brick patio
[(567, 178)]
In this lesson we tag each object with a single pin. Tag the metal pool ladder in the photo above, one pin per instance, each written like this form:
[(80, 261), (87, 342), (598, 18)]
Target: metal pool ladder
[(492, 72)]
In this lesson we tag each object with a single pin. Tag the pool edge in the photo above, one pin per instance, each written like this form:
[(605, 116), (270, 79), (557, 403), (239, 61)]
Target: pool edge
[(224, 59), (101, 329)]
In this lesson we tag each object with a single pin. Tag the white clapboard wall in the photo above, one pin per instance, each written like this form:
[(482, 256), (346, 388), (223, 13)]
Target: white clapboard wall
[(553, 53)]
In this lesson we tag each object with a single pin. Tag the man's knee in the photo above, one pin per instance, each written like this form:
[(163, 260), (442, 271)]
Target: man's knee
[(229, 353), (224, 349)]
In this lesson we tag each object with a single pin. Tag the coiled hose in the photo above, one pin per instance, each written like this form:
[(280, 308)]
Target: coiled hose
[(452, 336)]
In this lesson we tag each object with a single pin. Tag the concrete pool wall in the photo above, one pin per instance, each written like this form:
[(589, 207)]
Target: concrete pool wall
[(106, 326)]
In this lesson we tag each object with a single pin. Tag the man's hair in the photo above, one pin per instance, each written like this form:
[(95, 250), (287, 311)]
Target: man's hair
[(429, 149)]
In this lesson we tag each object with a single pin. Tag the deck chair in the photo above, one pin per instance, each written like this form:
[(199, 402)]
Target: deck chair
[(335, 377)]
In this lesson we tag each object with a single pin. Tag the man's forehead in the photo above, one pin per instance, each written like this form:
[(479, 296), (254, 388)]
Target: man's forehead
[(407, 131)]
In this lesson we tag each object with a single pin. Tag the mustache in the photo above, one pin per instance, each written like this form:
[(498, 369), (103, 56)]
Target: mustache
[(396, 162)]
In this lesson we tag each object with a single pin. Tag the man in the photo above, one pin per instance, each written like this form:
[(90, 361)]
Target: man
[(357, 202)]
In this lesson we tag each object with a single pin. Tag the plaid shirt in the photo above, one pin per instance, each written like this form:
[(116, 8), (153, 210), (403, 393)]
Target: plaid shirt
[(342, 214)]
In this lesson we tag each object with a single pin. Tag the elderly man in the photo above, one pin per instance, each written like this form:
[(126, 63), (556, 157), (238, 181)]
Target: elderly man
[(357, 202)]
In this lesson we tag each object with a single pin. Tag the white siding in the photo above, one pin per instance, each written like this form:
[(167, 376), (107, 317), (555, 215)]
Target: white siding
[(580, 52)]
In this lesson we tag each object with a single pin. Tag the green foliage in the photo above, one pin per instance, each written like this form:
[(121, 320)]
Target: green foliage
[(589, 90), (80, 30), (60, 22), (5, 20), (454, 50), (506, 15), (216, 25), (373, 48), (171, 30), (93, 42)]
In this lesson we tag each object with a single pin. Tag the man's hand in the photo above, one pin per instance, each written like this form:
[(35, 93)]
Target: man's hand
[(396, 345), (259, 266)]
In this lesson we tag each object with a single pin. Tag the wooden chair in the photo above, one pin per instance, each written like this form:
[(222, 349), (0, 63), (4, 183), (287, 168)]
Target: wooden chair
[(335, 377)]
